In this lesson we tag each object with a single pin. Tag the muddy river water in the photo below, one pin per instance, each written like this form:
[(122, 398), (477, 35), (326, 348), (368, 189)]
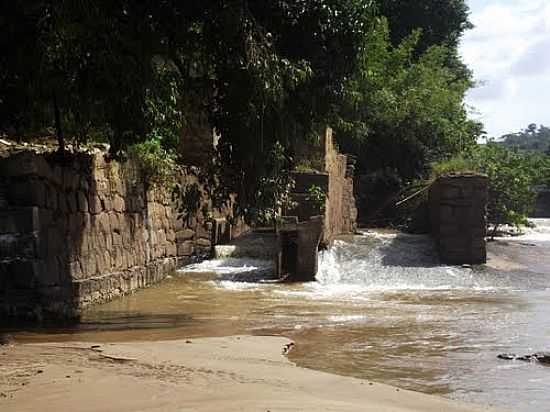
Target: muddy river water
[(383, 309)]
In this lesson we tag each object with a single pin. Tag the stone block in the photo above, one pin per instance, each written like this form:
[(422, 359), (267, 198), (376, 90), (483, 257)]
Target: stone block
[(171, 250), (62, 202), (204, 243), (75, 270), (170, 236), (18, 246), (22, 220), (24, 164), (451, 192), (56, 241), (185, 249), (114, 221), (102, 265), (204, 230), (161, 237), (94, 203), (118, 258), (89, 266), (117, 239), (51, 273), (82, 202), (51, 197), (119, 205), (30, 192), (70, 180), (24, 273)]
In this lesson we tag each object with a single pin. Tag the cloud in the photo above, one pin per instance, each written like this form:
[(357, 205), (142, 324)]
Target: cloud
[(509, 52), (535, 60)]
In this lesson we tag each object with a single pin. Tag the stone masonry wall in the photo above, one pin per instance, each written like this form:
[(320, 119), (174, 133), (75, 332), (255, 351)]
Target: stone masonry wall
[(340, 211), (340, 214), (83, 231), (458, 217)]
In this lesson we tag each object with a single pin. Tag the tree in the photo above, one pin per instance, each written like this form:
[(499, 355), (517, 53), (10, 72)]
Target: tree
[(442, 22), (532, 139), (403, 113), (513, 176), (264, 74)]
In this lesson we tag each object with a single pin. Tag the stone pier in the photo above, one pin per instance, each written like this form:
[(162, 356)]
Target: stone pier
[(298, 246), (458, 209)]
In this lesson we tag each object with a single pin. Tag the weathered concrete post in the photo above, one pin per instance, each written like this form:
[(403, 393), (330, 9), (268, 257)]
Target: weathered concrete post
[(458, 205), (298, 248)]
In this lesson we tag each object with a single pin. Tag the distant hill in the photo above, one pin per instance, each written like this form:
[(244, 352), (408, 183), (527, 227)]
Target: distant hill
[(532, 139)]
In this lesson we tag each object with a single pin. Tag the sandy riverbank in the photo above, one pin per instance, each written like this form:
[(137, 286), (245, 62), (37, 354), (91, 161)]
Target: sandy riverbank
[(211, 374)]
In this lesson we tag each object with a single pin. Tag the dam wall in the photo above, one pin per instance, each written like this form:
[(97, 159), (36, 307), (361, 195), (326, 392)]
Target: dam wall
[(84, 229)]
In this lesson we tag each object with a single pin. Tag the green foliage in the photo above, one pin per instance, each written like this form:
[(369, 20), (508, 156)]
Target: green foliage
[(267, 75), (260, 72), (531, 139), (403, 112), (317, 197), (157, 165), (512, 178), (441, 21), (459, 163), (188, 200), (163, 108), (313, 164), (273, 189)]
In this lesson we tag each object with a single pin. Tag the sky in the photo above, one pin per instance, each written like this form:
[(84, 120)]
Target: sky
[(509, 52)]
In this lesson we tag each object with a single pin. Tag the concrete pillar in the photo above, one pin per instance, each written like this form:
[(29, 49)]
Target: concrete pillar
[(298, 249), (458, 206)]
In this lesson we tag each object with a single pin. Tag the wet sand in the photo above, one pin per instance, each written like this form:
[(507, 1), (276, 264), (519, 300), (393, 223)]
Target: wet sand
[(239, 373)]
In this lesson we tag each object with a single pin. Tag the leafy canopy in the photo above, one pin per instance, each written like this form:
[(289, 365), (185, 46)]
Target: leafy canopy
[(402, 112)]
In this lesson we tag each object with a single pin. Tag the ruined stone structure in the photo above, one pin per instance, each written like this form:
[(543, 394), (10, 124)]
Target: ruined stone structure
[(542, 203), (458, 204), (336, 181), (308, 224), (85, 230), (341, 210)]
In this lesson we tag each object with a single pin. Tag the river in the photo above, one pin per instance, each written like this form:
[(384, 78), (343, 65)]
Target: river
[(383, 309)]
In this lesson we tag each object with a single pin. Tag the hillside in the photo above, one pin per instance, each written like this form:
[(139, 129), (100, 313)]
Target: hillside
[(533, 139)]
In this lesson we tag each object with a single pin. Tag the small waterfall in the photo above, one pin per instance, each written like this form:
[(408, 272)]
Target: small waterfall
[(539, 232), (389, 261), (374, 261), (377, 261)]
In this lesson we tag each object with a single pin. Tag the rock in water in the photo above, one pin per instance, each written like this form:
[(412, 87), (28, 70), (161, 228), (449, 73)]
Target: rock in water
[(541, 357)]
